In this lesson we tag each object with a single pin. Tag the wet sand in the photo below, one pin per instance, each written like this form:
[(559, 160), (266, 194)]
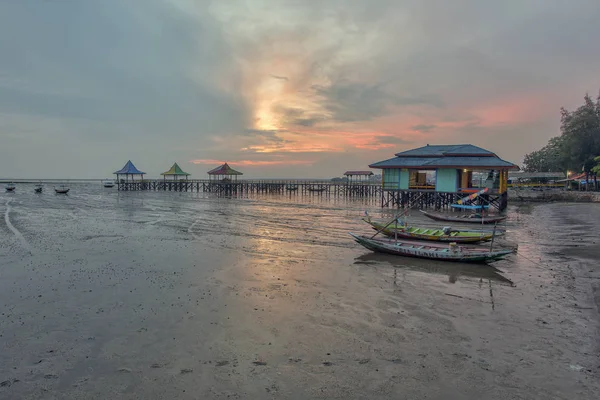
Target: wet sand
[(184, 296)]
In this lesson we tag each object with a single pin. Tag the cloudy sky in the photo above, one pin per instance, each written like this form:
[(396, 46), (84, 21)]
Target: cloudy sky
[(282, 88)]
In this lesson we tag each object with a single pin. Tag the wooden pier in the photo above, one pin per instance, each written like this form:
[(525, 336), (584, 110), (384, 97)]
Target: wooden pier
[(418, 198), (255, 187), (412, 198)]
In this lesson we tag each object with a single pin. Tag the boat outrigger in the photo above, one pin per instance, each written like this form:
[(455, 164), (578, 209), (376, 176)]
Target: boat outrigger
[(445, 234), (435, 251), (469, 218)]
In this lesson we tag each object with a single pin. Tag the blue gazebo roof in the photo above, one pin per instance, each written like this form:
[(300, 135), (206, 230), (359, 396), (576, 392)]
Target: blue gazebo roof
[(130, 169)]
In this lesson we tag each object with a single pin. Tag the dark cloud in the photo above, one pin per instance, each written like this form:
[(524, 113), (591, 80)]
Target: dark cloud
[(423, 128), (353, 101)]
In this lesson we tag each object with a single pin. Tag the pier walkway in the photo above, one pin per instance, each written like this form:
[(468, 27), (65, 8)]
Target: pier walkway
[(252, 187)]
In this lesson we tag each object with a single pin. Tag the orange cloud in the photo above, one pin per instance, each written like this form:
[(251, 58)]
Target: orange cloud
[(254, 162), (292, 148)]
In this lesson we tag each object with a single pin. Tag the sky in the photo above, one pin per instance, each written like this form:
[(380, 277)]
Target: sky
[(282, 89)]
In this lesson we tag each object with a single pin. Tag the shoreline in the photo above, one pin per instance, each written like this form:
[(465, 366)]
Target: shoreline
[(552, 196)]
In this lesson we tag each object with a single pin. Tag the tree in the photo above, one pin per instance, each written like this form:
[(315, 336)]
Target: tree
[(578, 145), (549, 158), (596, 168), (580, 130)]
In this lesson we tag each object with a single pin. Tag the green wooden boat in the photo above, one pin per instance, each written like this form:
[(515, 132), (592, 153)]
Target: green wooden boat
[(447, 234)]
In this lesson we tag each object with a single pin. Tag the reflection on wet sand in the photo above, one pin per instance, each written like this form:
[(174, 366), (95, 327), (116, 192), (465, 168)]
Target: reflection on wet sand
[(453, 270)]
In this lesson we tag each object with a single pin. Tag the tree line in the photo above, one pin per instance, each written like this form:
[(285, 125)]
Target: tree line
[(577, 148)]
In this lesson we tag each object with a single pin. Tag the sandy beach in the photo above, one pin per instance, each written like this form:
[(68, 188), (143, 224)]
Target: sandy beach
[(156, 295)]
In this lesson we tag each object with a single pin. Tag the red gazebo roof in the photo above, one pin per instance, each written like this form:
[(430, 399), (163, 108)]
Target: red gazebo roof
[(224, 169)]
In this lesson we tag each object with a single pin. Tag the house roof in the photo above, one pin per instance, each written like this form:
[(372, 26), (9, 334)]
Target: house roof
[(130, 169), (224, 169), (446, 156), (446, 150), (362, 173), (175, 170)]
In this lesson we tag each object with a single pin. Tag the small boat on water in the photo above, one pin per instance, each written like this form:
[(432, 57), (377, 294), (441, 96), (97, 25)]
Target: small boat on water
[(316, 189), (291, 188), (108, 183), (470, 206), (62, 189), (434, 251), (38, 188), (446, 234), (469, 218), (10, 187)]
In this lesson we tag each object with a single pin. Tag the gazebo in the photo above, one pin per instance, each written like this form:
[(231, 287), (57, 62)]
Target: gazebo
[(358, 177), (175, 172), (127, 170), (225, 172)]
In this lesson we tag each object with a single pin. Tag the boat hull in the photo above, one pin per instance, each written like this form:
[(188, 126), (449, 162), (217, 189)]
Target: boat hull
[(61, 191), (433, 235), (469, 206), (465, 219), (432, 252)]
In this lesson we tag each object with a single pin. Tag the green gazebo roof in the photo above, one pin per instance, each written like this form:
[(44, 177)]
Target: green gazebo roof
[(175, 170)]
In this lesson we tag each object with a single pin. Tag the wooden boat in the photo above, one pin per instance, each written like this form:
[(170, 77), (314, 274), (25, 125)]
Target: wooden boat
[(433, 251), (108, 183), (469, 218), (38, 188), (470, 206), (10, 187), (316, 189), (445, 234), (62, 189)]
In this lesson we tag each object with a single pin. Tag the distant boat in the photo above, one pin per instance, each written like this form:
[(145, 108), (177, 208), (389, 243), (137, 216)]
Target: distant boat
[(317, 189), (10, 187), (38, 188), (62, 189), (108, 183)]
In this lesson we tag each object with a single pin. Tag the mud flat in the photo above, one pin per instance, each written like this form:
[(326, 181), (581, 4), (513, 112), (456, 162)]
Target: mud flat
[(553, 195), (181, 296)]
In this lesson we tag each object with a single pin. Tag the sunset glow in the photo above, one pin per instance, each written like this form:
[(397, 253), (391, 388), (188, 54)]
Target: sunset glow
[(321, 88)]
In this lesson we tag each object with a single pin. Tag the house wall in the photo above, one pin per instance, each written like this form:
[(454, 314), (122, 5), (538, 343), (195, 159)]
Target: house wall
[(446, 180), (391, 178), (404, 179)]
